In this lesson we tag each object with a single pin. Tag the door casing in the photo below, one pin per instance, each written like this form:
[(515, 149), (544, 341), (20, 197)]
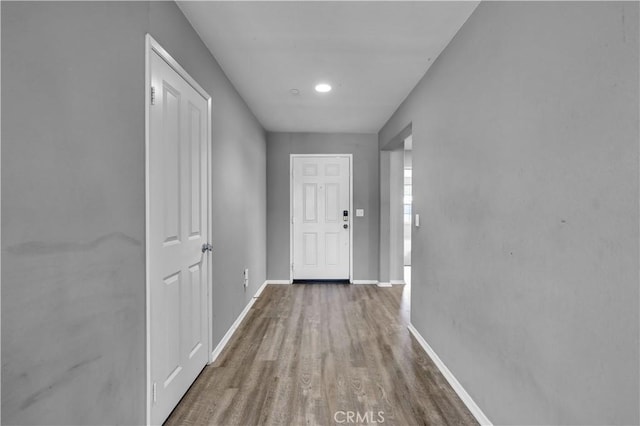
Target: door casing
[(151, 45), (351, 212)]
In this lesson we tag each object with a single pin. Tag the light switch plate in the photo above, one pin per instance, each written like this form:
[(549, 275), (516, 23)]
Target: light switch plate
[(417, 220), (359, 212)]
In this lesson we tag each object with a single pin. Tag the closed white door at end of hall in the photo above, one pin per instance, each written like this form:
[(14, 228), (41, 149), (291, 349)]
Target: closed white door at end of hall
[(321, 217)]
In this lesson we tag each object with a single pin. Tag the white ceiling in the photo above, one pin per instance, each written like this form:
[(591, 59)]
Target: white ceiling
[(372, 53)]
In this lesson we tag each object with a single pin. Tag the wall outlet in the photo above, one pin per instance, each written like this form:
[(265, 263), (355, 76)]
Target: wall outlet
[(245, 283)]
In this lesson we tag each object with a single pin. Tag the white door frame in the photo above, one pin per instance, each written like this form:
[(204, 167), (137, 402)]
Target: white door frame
[(151, 45), (351, 213)]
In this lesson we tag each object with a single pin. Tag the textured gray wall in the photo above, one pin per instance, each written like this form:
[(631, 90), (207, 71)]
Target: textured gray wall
[(364, 148), (73, 284), (525, 272), (73, 289)]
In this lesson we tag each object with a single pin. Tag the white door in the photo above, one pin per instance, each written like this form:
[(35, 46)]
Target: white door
[(178, 271), (321, 217)]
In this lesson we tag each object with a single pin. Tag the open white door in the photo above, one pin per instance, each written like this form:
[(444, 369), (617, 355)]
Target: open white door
[(177, 236), (321, 217)]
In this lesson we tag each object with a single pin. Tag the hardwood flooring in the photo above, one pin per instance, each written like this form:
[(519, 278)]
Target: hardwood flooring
[(323, 354)]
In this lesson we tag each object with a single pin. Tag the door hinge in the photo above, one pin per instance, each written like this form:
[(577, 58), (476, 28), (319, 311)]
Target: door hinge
[(153, 95), (292, 267), (155, 394)]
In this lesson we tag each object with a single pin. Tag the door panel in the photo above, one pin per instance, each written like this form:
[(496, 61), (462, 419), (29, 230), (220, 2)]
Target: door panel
[(332, 247), (332, 170), (171, 162), (310, 203), (195, 295), (332, 202), (195, 171), (310, 169), (310, 255), (171, 329), (321, 241), (178, 270)]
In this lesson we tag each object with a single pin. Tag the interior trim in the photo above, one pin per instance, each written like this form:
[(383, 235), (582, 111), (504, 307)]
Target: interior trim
[(227, 336), (455, 384)]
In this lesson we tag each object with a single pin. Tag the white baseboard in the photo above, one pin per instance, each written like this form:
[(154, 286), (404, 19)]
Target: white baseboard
[(457, 387), (225, 339), (260, 289), (364, 281), (395, 282), (278, 281), (384, 284)]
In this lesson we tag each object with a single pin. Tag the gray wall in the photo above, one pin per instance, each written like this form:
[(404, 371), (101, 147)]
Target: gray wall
[(525, 272), (364, 148), (73, 283)]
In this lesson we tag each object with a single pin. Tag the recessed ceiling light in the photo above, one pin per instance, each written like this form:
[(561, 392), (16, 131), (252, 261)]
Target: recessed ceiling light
[(323, 88)]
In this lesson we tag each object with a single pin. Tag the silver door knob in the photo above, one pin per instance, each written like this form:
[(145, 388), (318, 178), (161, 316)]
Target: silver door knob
[(207, 247)]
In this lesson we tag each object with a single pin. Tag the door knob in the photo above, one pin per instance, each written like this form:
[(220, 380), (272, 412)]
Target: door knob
[(345, 226), (207, 247)]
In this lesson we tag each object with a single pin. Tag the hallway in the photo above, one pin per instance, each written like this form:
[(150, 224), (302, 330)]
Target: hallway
[(317, 353), (523, 120)]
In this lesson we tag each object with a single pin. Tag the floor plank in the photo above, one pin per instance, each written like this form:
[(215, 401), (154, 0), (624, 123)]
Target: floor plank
[(323, 354)]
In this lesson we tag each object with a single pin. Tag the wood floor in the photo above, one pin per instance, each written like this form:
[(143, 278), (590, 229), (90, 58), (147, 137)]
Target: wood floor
[(323, 354)]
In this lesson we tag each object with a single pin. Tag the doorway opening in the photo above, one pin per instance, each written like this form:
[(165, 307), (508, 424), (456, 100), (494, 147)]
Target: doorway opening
[(396, 169), (407, 203), (396, 214)]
